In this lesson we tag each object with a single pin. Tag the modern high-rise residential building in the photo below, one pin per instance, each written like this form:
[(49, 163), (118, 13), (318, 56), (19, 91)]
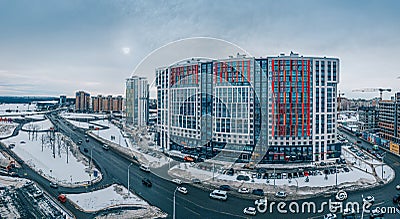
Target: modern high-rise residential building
[(389, 119), (137, 101), (274, 109), (82, 101), (368, 118)]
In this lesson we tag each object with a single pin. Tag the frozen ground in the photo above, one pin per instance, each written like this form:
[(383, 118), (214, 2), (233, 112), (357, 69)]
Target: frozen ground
[(112, 197), (83, 125), (82, 116), (12, 181), (388, 173), (38, 126), (112, 134), (6, 129), (16, 108), (30, 150)]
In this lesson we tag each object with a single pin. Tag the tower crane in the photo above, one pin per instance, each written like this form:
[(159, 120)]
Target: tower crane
[(381, 90)]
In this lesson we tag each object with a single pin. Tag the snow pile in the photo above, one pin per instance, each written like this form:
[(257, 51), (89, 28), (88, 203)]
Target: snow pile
[(110, 197), (38, 126), (82, 116), (112, 134), (6, 129), (148, 213), (29, 148), (6, 181)]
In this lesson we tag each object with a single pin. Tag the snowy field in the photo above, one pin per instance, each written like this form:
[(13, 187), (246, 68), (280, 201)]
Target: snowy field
[(73, 172), (6, 181), (388, 173), (38, 126), (6, 129), (82, 116), (16, 108), (112, 196), (83, 125)]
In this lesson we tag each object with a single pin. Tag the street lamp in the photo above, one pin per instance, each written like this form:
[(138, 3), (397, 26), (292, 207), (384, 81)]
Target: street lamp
[(383, 155), (173, 211), (128, 176)]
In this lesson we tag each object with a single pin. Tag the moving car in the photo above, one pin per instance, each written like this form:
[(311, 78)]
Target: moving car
[(79, 142), (376, 213), (250, 211), (260, 201), (87, 140), (369, 199), (218, 194), (243, 190), (396, 198), (281, 194), (106, 147), (182, 190), (398, 186), (177, 181), (330, 216), (196, 181), (62, 198), (146, 182), (53, 185), (145, 168)]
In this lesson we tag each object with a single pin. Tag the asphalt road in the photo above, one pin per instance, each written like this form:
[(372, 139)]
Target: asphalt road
[(196, 204)]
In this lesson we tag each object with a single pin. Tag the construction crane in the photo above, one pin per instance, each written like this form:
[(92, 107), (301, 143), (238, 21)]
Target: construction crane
[(381, 90)]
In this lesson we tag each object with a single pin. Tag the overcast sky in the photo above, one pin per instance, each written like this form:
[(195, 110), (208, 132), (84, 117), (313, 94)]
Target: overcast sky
[(59, 47)]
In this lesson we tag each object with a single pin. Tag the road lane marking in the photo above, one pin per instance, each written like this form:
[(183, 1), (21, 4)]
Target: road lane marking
[(192, 211)]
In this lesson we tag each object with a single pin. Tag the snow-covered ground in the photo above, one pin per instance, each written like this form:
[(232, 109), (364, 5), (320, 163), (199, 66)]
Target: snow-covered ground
[(83, 125), (12, 181), (35, 116), (82, 116), (17, 108), (112, 134), (112, 197), (6, 129), (30, 150), (38, 126), (388, 173)]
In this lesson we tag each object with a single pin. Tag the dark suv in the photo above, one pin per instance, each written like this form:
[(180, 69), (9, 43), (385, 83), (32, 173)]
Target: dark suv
[(146, 182), (225, 188), (258, 192)]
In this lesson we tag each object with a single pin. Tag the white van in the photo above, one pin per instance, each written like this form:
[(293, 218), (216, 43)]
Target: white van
[(145, 168), (218, 194)]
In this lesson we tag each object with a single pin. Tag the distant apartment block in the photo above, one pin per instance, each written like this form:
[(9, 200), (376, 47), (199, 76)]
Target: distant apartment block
[(107, 103), (137, 101), (82, 101), (389, 119)]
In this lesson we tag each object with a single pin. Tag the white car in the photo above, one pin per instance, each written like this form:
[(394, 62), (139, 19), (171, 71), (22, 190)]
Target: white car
[(369, 199), (177, 181), (335, 207), (250, 211), (243, 190), (398, 186), (182, 190), (341, 195), (281, 194), (260, 201), (330, 216), (38, 193)]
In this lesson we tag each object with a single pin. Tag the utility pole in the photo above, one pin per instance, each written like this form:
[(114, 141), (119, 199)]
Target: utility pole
[(128, 177)]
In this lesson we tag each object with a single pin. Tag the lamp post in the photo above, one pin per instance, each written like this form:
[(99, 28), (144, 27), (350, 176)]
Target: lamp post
[(128, 176), (173, 211), (383, 155)]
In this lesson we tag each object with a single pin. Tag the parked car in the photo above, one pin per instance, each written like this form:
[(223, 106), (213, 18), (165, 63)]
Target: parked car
[(87, 140), (225, 187), (146, 182), (79, 142), (396, 198), (260, 201), (85, 150), (38, 193), (182, 190), (53, 185), (250, 211), (244, 190), (281, 194), (196, 181), (398, 186), (258, 192)]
